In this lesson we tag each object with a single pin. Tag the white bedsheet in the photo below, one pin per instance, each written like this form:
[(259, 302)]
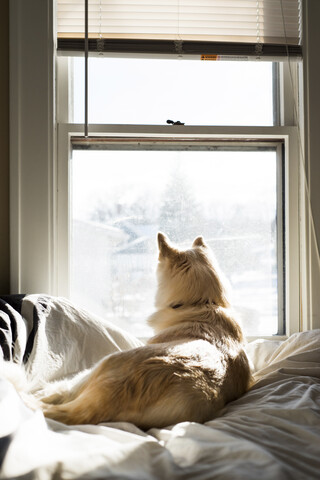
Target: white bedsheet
[(272, 432)]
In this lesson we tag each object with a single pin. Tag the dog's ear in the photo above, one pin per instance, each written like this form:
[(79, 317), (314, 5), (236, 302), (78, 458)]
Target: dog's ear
[(164, 247), (199, 242)]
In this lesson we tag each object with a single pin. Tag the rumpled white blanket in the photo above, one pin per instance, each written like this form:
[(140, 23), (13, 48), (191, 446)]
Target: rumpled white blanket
[(271, 432)]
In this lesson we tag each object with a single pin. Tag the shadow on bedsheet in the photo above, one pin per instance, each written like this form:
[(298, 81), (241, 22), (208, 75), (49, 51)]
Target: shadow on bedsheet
[(4, 445)]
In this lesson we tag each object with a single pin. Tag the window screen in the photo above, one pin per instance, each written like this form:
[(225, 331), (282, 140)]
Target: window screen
[(121, 198)]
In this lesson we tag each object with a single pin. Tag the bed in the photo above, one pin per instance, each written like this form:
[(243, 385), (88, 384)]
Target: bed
[(271, 432)]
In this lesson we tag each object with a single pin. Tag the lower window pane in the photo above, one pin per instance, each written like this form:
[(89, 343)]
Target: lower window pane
[(121, 198)]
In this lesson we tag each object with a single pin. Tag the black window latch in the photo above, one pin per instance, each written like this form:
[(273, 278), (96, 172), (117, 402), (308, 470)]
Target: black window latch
[(171, 122)]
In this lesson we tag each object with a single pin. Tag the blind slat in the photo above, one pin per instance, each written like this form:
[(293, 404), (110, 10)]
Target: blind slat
[(237, 21)]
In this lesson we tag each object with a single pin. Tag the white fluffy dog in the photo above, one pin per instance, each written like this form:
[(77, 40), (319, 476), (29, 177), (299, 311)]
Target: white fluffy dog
[(188, 371)]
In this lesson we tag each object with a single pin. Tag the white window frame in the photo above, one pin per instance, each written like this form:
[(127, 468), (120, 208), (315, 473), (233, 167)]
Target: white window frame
[(40, 147), (288, 135)]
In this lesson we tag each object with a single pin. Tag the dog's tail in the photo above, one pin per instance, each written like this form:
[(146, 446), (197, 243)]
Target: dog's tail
[(17, 376)]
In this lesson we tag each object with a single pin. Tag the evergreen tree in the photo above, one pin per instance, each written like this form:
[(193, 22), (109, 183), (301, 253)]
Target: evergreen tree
[(180, 215)]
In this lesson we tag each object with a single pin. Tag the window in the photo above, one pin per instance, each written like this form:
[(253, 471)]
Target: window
[(231, 180), (122, 195), (134, 176)]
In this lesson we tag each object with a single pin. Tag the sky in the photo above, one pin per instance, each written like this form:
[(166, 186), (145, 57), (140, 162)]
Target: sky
[(195, 92)]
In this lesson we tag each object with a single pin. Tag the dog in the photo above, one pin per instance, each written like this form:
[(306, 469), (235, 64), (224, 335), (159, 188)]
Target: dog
[(188, 371)]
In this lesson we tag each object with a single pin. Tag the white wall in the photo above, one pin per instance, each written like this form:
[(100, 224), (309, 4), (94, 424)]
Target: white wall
[(4, 149), (311, 68), (31, 144)]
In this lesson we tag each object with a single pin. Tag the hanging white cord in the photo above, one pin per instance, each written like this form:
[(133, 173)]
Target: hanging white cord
[(178, 44), (302, 169), (258, 47), (100, 39)]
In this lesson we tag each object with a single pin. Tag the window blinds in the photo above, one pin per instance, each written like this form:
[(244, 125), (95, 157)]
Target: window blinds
[(270, 24)]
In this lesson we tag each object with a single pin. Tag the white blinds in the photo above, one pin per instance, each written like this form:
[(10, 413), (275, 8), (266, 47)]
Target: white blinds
[(236, 21)]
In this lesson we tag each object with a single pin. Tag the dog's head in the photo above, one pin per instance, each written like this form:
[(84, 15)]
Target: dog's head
[(188, 277)]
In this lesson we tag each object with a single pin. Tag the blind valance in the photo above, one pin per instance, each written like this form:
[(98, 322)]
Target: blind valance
[(191, 23)]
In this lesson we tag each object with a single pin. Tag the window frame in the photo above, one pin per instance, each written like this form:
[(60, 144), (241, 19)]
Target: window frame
[(37, 264), (286, 135), (278, 135)]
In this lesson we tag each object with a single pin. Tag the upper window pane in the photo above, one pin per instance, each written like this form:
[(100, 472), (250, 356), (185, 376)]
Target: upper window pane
[(151, 91)]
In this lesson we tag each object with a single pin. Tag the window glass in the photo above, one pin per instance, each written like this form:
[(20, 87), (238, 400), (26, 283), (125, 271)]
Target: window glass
[(121, 198), (194, 92)]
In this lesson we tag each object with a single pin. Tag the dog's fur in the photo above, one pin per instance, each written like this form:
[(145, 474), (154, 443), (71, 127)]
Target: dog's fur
[(188, 371)]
